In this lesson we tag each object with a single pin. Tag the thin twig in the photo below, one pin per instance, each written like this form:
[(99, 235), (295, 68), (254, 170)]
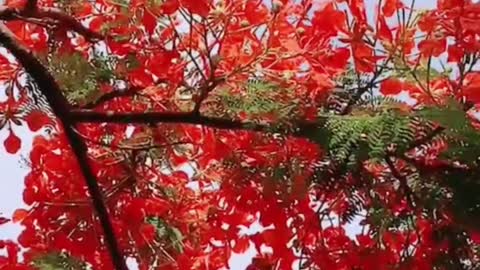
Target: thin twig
[(410, 196)]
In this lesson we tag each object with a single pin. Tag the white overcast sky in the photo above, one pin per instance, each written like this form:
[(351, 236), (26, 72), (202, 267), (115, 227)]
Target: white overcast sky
[(13, 172)]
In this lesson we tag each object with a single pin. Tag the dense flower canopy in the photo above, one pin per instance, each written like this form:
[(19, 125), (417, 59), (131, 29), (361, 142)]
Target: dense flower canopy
[(182, 132)]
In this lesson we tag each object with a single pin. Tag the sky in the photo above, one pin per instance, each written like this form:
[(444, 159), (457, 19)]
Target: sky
[(14, 169)]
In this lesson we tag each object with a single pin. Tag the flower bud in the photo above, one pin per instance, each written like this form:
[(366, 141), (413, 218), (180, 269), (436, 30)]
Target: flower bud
[(244, 23), (300, 30), (276, 6)]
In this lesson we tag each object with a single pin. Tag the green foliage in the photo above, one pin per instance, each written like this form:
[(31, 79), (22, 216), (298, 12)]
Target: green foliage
[(259, 100), (80, 78), (108, 26), (432, 195), (131, 62), (465, 187), (377, 126), (380, 218), (351, 80), (103, 69), (58, 261), (352, 135), (167, 233), (463, 138), (155, 3)]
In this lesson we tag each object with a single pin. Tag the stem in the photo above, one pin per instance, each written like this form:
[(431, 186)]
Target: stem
[(410, 196)]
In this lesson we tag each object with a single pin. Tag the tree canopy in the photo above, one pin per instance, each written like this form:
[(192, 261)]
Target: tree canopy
[(181, 132)]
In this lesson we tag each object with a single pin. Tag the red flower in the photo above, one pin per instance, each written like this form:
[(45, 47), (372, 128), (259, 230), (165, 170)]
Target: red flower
[(199, 7), (433, 47), (391, 86), (391, 6), (12, 143), (37, 119)]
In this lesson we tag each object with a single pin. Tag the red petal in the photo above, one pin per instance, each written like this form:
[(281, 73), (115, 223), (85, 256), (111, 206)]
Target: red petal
[(19, 215), (391, 6), (363, 57), (149, 21), (455, 53), (365, 241), (156, 207), (140, 78), (357, 7), (12, 252), (475, 236), (160, 63), (472, 87), (329, 20), (16, 3), (97, 23), (448, 4), (169, 7), (12, 143), (148, 231), (391, 86), (134, 210), (241, 245), (433, 47), (255, 12), (200, 7), (427, 23), (384, 32), (36, 120)]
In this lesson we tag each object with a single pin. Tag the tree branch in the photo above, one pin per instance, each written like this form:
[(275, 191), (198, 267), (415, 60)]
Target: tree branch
[(88, 116), (128, 92), (31, 6), (59, 17), (47, 85), (354, 99), (436, 131), (409, 194), (111, 96), (205, 91), (440, 167)]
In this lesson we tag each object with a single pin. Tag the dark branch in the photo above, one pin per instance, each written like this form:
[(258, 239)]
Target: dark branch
[(354, 99), (440, 167), (111, 96), (31, 6), (67, 21), (46, 15), (89, 116), (205, 91), (35, 68), (134, 147), (435, 132), (410, 196), (47, 85), (129, 91)]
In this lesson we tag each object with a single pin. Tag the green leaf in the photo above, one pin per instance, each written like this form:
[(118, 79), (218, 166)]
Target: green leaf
[(260, 101), (58, 261), (463, 138), (167, 233), (80, 78)]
